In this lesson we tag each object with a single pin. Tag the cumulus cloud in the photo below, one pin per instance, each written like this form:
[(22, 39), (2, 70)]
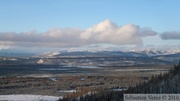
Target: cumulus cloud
[(108, 32), (171, 35), (104, 32)]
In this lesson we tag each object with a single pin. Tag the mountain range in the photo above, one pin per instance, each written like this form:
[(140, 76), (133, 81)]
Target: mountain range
[(131, 53)]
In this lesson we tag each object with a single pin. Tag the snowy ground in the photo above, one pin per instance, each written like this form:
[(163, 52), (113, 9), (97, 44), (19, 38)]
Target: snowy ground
[(67, 91), (28, 98), (90, 67), (132, 70)]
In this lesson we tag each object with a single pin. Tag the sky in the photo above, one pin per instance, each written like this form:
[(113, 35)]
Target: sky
[(33, 25)]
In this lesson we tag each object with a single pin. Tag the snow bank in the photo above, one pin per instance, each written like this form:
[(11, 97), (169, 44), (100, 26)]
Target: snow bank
[(67, 91), (28, 98), (88, 67)]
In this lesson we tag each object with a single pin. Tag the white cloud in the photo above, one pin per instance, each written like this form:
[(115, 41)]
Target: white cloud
[(5, 45), (108, 32), (105, 32), (174, 35)]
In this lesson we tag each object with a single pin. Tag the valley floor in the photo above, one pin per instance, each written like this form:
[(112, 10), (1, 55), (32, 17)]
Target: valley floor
[(63, 84)]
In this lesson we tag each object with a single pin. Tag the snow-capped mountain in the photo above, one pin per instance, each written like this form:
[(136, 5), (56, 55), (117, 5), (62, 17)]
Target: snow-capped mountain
[(155, 52), (131, 53), (48, 54)]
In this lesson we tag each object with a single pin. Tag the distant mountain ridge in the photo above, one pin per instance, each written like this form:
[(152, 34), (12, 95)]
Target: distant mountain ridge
[(155, 52), (16, 54), (131, 53), (167, 55)]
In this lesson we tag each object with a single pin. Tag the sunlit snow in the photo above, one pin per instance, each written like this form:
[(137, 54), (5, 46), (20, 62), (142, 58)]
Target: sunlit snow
[(28, 98)]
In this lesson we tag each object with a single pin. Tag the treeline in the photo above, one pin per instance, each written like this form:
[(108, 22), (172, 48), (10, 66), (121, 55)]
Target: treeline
[(101, 95), (167, 83)]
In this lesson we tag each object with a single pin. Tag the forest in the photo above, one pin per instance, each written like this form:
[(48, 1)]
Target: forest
[(166, 83)]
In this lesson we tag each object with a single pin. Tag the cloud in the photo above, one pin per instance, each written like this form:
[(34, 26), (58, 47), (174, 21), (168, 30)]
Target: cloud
[(170, 35), (104, 32), (108, 32), (53, 38), (144, 32)]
